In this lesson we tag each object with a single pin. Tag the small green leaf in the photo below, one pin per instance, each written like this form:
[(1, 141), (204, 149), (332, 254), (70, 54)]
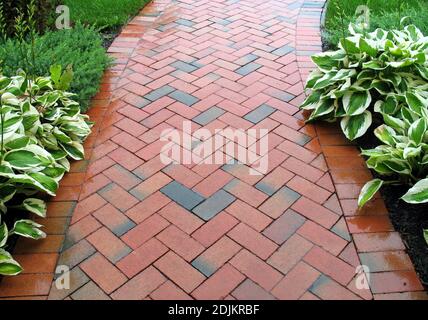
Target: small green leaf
[(8, 266), (417, 131), (415, 102), (3, 235), (418, 193), (368, 191), (35, 206), (28, 229)]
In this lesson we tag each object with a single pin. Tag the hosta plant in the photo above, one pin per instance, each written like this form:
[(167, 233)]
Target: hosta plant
[(368, 70), (40, 129), (403, 157)]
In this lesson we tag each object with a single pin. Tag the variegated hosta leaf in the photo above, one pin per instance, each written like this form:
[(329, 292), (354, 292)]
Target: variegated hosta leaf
[(8, 266), (28, 229), (368, 191), (35, 206), (356, 103), (311, 101), (398, 166), (4, 234), (418, 193), (386, 135), (356, 126), (417, 131), (368, 47), (323, 108), (415, 102), (326, 61), (410, 152)]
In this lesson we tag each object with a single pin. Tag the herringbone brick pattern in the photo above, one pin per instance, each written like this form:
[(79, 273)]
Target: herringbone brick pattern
[(143, 230)]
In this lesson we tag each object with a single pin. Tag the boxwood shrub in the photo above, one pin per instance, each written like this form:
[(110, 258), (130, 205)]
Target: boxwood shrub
[(80, 47)]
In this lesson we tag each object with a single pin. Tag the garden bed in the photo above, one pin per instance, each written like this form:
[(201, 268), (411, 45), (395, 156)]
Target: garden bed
[(43, 126), (408, 219)]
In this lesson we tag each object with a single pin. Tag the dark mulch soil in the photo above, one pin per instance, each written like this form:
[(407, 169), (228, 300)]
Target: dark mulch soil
[(409, 220), (109, 35)]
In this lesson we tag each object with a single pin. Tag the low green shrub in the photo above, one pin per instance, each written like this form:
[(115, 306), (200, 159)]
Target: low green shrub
[(369, 72), (80, 47), (41, 128)]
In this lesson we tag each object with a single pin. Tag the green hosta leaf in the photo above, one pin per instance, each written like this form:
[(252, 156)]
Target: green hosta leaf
[(3, 235), (48, 184), (398, 166), (35, 206), (414, 33), (9, 99), (350, 45), (410, 152), (401, 64), (61, 136), (368, 47), (426, 236), (356, 126), (28, 229), (374, 65), (417, 131), (389, 106), (7, 191), (423, 71), (415, 102), (74, 150), (418, 193), (8, 266), (313, 77), (381, 86), (22, 159), (328, 60), (356, 103), (408, 115), (311, 101), (18, 143), (385, 134), (368, 191), (324, 107), (395, 123)]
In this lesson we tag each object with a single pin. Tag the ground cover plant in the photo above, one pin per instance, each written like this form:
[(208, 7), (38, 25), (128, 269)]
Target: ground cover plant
[(369, 72), (41, 128)]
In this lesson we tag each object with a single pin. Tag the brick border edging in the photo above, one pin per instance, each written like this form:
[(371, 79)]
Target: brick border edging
[(370, 228)]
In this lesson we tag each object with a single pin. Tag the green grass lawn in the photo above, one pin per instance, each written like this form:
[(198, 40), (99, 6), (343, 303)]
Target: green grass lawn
[(108, 14), (383, 14)]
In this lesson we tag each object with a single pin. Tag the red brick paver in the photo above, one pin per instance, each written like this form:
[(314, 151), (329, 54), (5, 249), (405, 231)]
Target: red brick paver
[(293, 233)]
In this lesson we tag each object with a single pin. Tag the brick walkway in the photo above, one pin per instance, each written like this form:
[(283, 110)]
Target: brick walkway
[(140, 229)]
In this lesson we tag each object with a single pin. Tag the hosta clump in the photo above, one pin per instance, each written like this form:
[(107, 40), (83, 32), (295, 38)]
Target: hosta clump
[(41, 128), (366, 69), (402, 158)]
